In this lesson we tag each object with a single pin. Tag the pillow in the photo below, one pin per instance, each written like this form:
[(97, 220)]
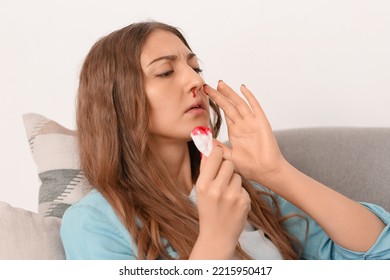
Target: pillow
[(26, 235), (54, 150)]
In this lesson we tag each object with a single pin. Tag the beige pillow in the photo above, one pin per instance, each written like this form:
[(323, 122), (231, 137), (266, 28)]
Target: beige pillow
[(25, 235), (54, 150)]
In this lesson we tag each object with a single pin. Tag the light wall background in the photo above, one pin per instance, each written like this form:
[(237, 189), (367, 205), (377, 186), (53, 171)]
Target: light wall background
[(310, 63)]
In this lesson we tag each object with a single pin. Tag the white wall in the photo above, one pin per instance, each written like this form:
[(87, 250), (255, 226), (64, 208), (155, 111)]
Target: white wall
[(311, 63)]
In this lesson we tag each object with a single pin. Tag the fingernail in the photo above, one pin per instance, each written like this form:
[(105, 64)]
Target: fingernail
[(243, 85), (220, 81)]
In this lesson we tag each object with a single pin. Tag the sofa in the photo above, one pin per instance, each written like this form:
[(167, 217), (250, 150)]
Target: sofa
[(353, 160)]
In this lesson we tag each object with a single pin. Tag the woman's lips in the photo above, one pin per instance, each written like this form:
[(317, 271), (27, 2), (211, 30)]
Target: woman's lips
[(197, 107), (197, 110)]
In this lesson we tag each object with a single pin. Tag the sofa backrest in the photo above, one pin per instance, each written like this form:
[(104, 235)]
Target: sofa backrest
[(353, 161)]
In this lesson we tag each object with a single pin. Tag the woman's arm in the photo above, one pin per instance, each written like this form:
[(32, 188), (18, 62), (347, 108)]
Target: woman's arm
[(256, 156), (347, 223), (315, 244)]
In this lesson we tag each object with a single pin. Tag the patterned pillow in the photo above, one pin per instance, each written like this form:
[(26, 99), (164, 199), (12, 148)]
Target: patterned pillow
[(54, 150)]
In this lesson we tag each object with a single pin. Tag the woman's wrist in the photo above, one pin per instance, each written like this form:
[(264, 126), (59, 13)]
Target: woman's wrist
[(208, 247), (274, 178)]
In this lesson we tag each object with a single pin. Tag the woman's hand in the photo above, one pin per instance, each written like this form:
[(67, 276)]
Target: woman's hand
[(223, 207), (256, 156), (254, 151)]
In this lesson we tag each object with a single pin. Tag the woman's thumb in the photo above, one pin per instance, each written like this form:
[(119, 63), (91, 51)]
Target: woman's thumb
[(203, 160), (227, 151)]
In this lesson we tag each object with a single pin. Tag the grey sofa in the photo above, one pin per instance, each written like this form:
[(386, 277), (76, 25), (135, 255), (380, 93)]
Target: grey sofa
[(354, 161)]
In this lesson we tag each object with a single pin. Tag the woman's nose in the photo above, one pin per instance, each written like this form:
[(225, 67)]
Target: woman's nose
[(194, 91), (194, 82)]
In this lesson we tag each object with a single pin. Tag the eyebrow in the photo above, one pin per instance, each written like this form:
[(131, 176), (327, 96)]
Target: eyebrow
[(170, 58)]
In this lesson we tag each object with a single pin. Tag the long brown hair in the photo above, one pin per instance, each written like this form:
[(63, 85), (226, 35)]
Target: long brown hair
[(112, 125)]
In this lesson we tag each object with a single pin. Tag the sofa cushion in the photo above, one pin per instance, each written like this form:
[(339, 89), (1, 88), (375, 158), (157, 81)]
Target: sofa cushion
[(354, 161), (54, 150), (25, 235)]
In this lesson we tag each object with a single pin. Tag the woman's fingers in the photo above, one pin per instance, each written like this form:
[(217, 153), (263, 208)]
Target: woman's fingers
[(225, 104), (236, 183), (235, 99), (227, 151), (215, 168), (218, 169), (203, 161), (255, 105), (230, 102), (225, 175), (210, 166)]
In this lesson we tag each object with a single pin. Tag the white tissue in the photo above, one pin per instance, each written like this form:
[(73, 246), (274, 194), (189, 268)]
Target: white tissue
[(203, 139)]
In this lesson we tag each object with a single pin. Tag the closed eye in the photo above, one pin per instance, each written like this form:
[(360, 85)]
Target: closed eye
[(165, 74), (198, 70), (170, 72)]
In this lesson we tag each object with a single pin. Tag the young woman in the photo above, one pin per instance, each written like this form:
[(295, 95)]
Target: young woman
[(140, 96)]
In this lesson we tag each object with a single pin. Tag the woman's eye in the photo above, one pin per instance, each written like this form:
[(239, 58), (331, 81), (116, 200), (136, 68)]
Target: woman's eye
[(165, 74), (197, 70)]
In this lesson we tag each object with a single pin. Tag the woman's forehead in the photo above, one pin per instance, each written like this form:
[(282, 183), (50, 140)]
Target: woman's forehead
[(162, 43)]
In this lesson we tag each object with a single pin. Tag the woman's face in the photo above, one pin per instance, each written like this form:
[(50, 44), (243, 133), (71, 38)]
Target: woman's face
[(174, 87)]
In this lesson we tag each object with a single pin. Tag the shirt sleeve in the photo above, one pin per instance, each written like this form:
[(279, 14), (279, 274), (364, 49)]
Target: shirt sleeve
[(88, 233), (317, 245)]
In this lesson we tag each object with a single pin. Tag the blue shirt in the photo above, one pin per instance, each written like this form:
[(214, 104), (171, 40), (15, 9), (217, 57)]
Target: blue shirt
[(90, 229)]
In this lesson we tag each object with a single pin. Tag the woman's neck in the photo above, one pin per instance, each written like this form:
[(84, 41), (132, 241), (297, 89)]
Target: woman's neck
[(176, 158)]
